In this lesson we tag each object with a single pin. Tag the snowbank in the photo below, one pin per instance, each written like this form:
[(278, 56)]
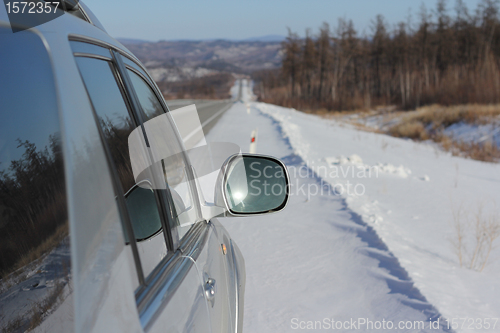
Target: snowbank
[(412, 211)]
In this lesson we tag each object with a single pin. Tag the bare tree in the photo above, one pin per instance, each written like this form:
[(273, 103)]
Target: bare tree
[(291, 59), (447, 57)]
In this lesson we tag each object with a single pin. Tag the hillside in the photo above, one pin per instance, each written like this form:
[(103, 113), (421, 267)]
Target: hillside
[(204, 69), (205, 56)]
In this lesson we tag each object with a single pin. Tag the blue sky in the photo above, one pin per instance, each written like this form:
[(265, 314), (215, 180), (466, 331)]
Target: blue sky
[(237, 19)]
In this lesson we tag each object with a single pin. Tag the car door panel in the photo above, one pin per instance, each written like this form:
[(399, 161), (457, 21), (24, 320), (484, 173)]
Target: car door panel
[(179, 305), (211, 263), (235, 268), (172, 297)]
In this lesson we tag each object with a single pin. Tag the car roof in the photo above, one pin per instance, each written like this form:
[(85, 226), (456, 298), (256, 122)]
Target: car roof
[(68, 25)]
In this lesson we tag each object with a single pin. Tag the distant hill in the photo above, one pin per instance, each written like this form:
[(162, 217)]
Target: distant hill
[(215, 55), (132, 41), (267, 38), (206, 68)]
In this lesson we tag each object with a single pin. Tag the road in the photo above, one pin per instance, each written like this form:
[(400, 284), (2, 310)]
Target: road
[(209, 111), (318, 259)]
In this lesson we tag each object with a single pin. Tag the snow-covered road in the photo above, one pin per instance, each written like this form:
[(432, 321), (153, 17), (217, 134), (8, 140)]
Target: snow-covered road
[(361, 259)]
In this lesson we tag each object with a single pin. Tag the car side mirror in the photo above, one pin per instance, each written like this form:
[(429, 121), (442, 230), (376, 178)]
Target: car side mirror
[(252, 184), (144, 214)]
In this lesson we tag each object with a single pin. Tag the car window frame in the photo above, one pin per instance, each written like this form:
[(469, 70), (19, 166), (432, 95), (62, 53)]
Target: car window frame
[(122, 206), (188, 169), (150, 284), (134, 67), (178, 244), (165, 195)]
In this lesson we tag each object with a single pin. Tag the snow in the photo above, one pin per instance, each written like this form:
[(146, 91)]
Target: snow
[(367, 234), (35, 283), (475, 133), (368, 230), (460, 132)]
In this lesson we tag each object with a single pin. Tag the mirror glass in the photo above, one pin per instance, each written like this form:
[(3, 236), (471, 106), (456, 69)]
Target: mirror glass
[(144, 214), (255, 184)]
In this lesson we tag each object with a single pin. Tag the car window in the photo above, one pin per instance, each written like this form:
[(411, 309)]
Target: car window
[(132, 65), (117, 123), (86, 48), (35, 256), (149, 103), (175, 167)]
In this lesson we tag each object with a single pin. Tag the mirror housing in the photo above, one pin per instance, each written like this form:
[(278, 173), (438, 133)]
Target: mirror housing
[(251, 184)]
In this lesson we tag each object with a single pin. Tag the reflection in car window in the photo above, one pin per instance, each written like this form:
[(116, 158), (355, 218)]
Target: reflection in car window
[(141, 203), (175, 166), (149, 103), (130, 63), (35, 265), (117, 123), (112, 111)]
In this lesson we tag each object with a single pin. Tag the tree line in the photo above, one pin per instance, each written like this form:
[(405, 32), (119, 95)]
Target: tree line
[(214, 86), (432, 58), (32, 204)]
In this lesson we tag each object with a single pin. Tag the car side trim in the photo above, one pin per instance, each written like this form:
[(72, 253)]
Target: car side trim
[(169, 275), (240, 281), (98, 42), (90, 55)]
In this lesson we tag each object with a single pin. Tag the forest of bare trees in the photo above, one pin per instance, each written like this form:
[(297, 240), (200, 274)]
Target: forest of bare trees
[(33, 211), (446, 55), (215, 86)]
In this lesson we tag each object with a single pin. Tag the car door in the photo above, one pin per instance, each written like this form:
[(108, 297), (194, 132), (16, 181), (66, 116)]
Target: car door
[(205, 249), (169, 290), (212, 265)]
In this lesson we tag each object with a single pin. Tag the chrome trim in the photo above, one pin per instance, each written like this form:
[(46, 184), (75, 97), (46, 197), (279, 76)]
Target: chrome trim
[(163, 292), (240, 276), (125, 53), (210, 289), (132, 69), (168, 276), (188, 239), (137, 185), (91, 55), (137, 62), (98, 42), (195, 251), (237, 292), (84, 13)]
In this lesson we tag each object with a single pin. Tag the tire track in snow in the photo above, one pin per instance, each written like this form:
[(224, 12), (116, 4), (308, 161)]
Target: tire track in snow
[(397, 278)]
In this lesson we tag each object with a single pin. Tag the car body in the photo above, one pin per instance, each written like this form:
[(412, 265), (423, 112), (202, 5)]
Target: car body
[(87, 246)]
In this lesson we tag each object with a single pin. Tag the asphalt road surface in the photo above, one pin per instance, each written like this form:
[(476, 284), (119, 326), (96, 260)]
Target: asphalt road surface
[(209, 111)]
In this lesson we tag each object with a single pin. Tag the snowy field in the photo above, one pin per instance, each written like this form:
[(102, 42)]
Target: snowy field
[(368, 235), (459, 132)]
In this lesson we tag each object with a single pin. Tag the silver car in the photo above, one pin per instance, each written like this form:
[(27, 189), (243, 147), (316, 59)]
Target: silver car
[(87, 244)]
